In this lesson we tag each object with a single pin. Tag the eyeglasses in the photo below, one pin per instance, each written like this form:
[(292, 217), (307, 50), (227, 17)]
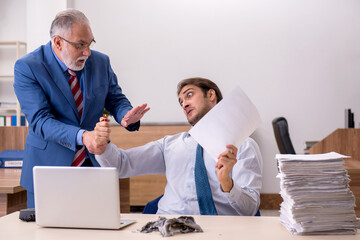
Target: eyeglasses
[(79, 46)]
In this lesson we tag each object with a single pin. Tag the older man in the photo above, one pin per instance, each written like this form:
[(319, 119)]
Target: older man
[(196, 184), (62, 88)]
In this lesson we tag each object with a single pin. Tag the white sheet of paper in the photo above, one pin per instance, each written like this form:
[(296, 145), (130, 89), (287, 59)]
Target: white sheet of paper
[(231, 121), (311, 157)]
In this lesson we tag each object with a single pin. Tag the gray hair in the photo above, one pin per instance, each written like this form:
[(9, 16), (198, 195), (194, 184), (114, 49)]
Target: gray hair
[(65, 19)]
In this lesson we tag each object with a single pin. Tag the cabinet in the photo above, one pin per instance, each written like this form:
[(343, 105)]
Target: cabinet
[(345, 141), (12, 195), (8, 79)]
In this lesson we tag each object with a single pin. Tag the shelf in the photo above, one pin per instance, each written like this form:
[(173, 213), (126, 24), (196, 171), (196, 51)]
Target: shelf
[(13, 43), (19, 47), (8, 109), (6, 76)]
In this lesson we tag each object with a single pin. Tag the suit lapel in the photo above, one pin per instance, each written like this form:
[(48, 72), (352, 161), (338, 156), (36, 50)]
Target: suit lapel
[(87, 94), (58, 77)]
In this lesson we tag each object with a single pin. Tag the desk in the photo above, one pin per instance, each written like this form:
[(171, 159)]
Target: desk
[(12, 195), (215, 227)]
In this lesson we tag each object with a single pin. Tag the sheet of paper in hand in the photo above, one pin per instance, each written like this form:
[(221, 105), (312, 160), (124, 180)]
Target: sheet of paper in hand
[(231, 121)]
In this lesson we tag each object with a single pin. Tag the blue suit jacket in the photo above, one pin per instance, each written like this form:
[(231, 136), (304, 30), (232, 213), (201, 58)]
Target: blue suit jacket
[(49, 106)]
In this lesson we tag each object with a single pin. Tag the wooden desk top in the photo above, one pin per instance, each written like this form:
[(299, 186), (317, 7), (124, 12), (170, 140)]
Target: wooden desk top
[(215, 227), (10, 180)]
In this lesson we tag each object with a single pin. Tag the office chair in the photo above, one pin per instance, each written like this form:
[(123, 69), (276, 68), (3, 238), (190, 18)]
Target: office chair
[(282, 136), (152, 207)]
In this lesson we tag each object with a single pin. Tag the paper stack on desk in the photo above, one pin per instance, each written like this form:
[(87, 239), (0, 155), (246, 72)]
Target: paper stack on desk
[(316, 194)]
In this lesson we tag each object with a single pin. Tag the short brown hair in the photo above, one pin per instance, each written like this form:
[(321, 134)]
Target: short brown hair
[(204, 84)]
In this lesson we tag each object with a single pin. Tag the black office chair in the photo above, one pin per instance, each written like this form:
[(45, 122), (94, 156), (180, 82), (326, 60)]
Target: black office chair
[(282, 136), (152, 207)]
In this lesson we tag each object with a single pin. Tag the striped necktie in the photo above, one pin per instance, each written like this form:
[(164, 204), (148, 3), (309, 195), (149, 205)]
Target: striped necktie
[(203, 190), (79, 157)]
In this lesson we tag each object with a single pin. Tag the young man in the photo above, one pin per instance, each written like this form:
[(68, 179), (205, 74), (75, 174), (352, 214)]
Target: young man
[(62, 88), (235, 179)]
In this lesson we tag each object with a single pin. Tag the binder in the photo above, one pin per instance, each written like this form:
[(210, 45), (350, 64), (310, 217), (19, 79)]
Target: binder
[(8, 121), (11, 158), (2, 121), (349, 118), (14, 120)]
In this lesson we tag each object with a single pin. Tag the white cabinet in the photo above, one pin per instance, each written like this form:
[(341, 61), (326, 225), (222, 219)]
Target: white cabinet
[(7, 77)]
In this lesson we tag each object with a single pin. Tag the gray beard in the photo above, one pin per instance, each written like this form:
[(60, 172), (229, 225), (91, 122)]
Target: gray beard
[(74, 67)]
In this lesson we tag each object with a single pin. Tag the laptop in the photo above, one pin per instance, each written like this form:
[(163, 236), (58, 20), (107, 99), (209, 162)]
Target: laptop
[(77, 197)]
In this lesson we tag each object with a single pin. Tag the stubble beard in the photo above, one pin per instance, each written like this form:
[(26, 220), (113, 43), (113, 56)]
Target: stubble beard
[(202, 112)]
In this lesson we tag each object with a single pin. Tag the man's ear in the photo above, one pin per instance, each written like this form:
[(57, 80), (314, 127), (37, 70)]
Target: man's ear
[(57, 43), (212, 95)]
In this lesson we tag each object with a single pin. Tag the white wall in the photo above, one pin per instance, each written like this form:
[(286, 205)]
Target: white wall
[(13, 20), (297, 58), (294, 58), (40, 14), (12, 28)]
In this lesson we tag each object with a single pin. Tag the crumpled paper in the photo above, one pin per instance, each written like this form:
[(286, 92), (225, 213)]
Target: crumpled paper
[(168, 227)]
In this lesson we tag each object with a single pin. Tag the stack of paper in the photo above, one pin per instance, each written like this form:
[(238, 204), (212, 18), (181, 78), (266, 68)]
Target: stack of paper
[(316, 194)]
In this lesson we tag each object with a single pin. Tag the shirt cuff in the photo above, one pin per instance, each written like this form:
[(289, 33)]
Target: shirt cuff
[(133, 127), (106, 159), (79, 141)]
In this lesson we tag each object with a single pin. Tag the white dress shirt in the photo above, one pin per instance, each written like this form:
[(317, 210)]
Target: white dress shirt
[(175, 156)]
